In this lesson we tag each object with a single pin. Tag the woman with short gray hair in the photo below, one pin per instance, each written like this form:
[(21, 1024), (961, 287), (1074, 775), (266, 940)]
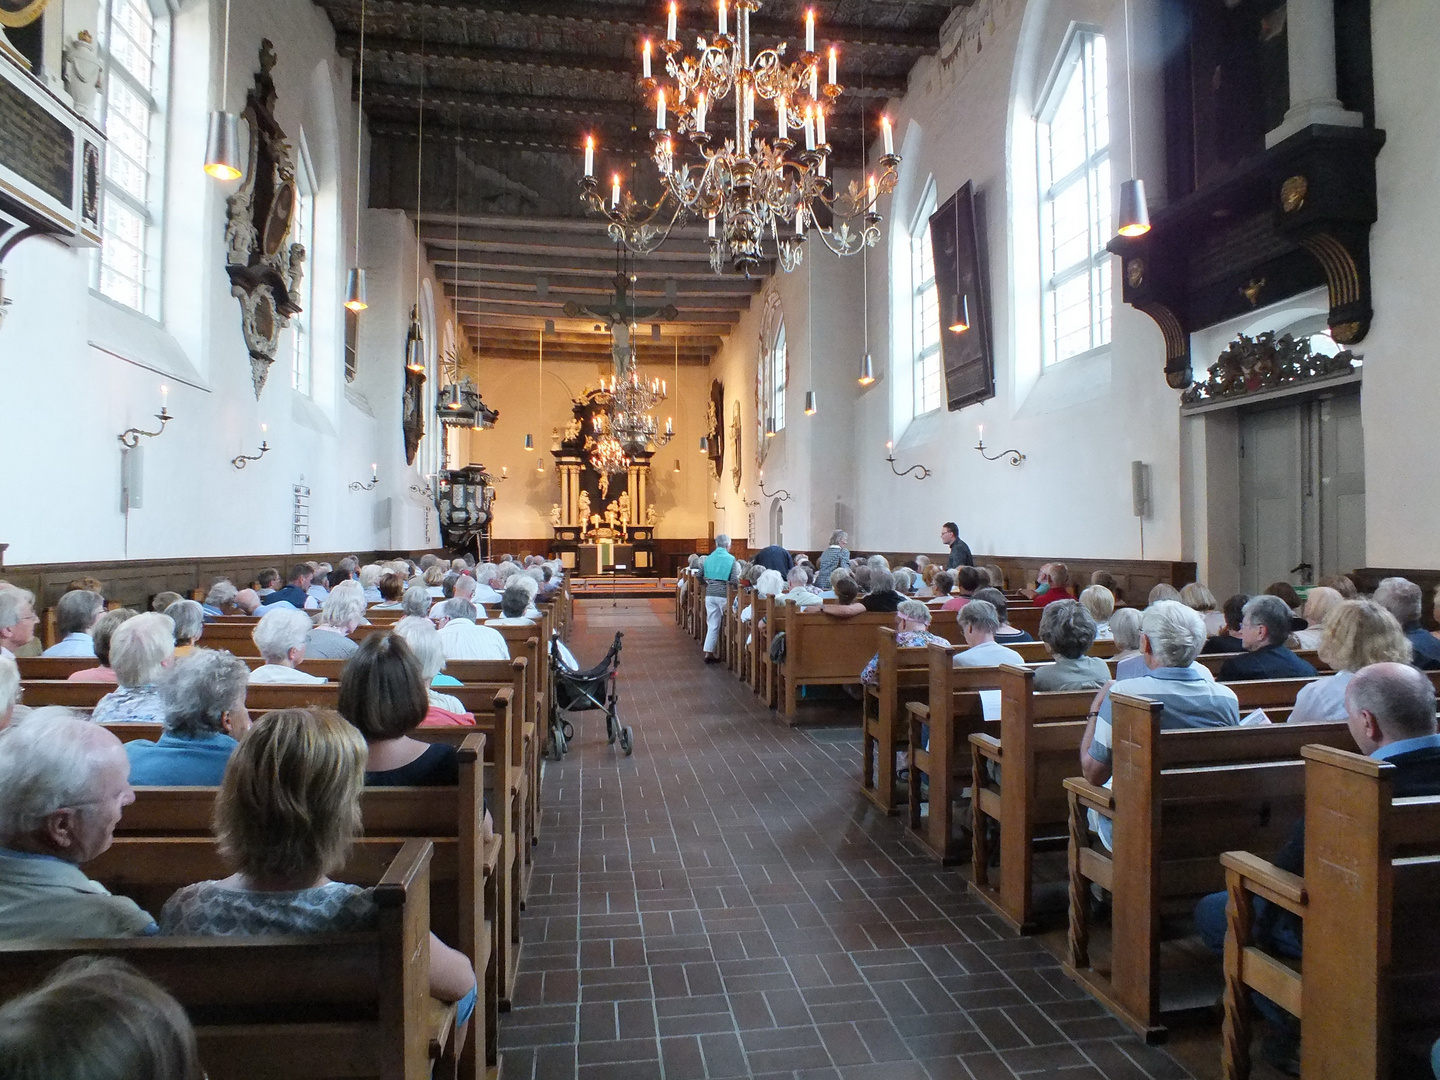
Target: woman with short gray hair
[(189, 619), (140, 649), (281, 636), (370, 581), (513, 604), (1068, 631), (221, 596), (1125, 628), (1264, 631), (424, 641), (418, 601), (343, 611), (912, 631), (832, 558), (204, 698)]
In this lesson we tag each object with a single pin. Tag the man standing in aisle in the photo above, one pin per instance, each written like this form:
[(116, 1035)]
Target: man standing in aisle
[(719, 570), (959, 550)]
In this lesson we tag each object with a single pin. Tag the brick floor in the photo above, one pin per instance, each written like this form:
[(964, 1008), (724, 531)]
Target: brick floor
[(725, 904)]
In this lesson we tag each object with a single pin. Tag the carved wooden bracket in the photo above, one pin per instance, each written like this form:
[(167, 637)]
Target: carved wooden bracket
[(1296, 217), (265, 269)]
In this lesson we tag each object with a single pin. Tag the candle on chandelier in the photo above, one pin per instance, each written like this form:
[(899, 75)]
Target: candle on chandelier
[(615, 192), (834, 64), (724, 17), (820, 126), (874, 192), (645, 58), (710, 222), (815, 80), (800, 221), (889, 136), (589, 156), (669, 425), (809, 128), (782, 110), (702, 108), (674, 16), (810, 31), (660, 111)]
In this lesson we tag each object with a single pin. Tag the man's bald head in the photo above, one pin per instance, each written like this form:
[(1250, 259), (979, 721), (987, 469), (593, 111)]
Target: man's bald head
[(1387, 703)]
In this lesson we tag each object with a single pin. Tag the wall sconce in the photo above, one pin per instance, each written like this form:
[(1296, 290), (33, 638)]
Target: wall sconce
[(920, 471), (131, 436), (426, 492), (746, 502), (504, 474), (780, 493), (961, 322), (356, 485), (1015, 456), (715, 500), (239, 460)]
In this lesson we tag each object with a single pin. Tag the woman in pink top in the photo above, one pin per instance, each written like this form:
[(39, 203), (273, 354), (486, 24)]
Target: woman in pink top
[(103, 632)]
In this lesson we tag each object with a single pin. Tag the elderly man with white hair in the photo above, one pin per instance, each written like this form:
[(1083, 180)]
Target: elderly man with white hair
[(719, 570), (140, 649), (280, 636), (1171, 637), (63, 786), (417, 601), (17, 619), (343, 611), (221, 595), (462, 639), (485, 577), (462, 587), (76, 614)]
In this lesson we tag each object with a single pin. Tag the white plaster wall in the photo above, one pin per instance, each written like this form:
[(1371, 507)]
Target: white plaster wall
[(64, 400), (1402, 380)]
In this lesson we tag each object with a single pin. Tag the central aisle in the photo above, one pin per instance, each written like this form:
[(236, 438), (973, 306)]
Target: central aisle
[(726, 904)]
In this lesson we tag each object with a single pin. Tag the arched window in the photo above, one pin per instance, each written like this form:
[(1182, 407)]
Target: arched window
[(929, 382), (302, 232), (773, 376), (1073, 152), (134, 41)]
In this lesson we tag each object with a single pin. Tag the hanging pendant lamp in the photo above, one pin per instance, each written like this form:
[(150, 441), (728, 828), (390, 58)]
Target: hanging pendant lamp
[(961, 307), (1134, 212), (355, 281), (222, 140), (867, 371), (810, 407)]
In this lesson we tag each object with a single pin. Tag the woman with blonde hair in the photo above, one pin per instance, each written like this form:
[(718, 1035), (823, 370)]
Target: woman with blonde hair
[(1319, 602), (286, 815), (1197, 597), (1357, 633)]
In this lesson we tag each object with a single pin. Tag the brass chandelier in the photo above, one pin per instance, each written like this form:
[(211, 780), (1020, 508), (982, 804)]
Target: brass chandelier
[(747, 186)]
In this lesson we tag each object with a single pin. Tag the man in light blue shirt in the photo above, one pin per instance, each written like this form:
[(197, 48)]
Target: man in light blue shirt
[(204, 700), (1171, 636), (76, 614)]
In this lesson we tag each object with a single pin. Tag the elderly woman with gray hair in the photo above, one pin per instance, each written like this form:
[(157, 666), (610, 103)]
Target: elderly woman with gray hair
[(281, 636), (343, 611), (1068, 631), (1264, 630), (221, 596), (189, 620), (140, 649), (1171, 637), (424, 641), (912, 631), (204, 698)]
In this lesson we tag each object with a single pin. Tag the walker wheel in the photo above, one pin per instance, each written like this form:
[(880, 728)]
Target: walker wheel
[(557, 745), (627, 741)]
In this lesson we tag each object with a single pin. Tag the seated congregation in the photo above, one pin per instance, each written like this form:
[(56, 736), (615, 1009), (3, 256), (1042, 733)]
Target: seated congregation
[(1171, 746), (302, 768)]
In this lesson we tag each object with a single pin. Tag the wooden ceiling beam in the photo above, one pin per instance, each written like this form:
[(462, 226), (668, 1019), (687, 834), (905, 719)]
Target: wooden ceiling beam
[(594, 298), (511, 322), (444, 256), (570, 281), (643, 21), (528, 337), (708, 318), (598, 355)]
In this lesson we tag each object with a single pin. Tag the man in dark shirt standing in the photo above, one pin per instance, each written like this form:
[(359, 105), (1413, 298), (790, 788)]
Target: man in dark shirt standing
[(959, 550), (1401, 597), (1264, 629)]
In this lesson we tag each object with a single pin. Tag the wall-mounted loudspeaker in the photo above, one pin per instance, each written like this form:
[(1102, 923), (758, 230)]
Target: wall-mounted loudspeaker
[(1140, 489)]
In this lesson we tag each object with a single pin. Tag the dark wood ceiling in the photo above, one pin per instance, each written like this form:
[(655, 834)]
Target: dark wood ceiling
[(505, 91)]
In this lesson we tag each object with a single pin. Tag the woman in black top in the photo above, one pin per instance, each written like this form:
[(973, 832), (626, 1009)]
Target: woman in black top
[(382, 693)]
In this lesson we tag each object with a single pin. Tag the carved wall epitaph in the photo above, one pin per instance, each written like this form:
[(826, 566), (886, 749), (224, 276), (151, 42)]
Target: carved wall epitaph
[(265, 270)]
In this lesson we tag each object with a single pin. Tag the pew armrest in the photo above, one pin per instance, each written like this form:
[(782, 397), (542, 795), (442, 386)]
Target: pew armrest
[(986, 746), (920, 710), (1265, 879), (1092, 796)]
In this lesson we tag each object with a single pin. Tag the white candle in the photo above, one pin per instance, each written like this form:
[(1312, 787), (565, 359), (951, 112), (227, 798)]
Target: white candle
[(660, 111), (800, 221), (873, 192), (164, 397), (810, 31), (981, 435), (724, 17), (374, 472), (815, 80), (702, 109), (820, 126), (615, 192), (889, 136), (674, 16), (782, 109), (809, 128), (589, 156), (834, 64), (711, 224), (645, 58)]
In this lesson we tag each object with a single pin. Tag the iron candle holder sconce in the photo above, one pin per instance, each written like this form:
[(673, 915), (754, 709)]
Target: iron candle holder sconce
[(1015, 456), (356, 485), (779, 493), (920, 471), (240, 460), (131, 436)]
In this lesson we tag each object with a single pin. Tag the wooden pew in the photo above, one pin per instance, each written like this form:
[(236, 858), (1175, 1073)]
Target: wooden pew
[(464, 889), (1180, 799), (1371, 951), (324, 1006), (904, 677), (1023, 772)]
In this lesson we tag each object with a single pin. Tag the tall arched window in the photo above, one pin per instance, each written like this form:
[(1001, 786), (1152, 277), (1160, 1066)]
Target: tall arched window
[(302, 232), (928, 383), (134, 40), (1073, 152), (773, 376)]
